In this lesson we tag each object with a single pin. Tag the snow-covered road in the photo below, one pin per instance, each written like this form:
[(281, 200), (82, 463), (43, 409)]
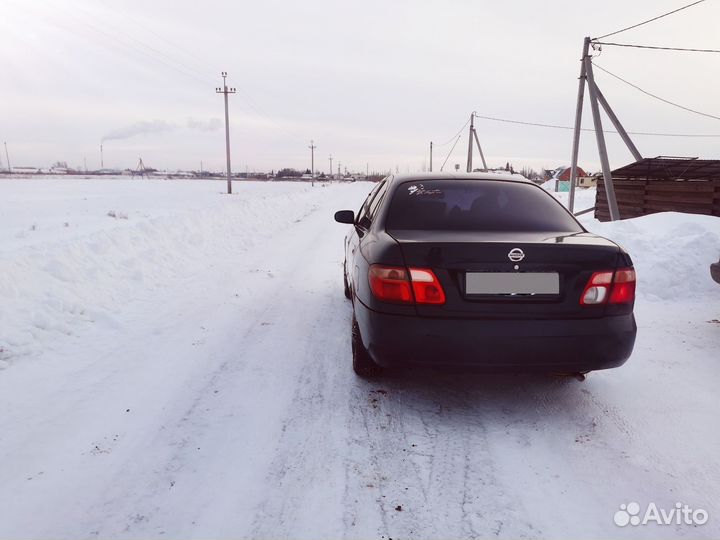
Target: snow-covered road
[(195, 382)]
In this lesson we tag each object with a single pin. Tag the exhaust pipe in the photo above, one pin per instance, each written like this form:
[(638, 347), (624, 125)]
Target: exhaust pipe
[(579, 375)]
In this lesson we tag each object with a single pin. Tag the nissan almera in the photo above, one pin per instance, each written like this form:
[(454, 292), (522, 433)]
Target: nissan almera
[(484, 271)]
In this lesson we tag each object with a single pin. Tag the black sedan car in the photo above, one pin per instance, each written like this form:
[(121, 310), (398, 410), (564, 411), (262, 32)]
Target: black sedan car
[(485, 271)]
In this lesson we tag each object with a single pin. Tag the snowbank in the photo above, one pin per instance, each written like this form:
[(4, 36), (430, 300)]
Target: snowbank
[(672, 253), (77, 251), (584, 197), (548, 185)]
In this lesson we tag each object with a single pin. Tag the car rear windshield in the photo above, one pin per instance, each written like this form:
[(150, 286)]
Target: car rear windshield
[(476, 205)]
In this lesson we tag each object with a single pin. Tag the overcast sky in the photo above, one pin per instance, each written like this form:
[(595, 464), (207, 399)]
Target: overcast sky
[(370, 82)]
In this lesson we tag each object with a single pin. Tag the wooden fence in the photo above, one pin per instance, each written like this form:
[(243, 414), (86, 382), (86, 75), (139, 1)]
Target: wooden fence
[(641, 197)]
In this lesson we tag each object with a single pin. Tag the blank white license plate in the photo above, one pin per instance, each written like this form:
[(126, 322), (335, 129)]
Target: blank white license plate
[(512, 283)]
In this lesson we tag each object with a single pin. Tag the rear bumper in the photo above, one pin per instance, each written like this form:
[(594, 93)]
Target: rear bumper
[(715, 271), (513, 345)]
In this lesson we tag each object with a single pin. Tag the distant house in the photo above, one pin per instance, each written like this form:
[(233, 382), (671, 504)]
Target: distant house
[(561, 177), (587, 181), (563, 173)]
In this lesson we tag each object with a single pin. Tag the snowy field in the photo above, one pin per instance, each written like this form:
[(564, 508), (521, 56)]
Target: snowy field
[(176, 363)]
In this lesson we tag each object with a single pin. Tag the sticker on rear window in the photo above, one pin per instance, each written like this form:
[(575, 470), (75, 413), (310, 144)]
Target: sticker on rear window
[(420, 191)]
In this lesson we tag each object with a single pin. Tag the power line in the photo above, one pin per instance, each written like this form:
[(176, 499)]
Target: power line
[(191, 69), (451, 150), (536, 124), (451, 139), (649, 20), (655, 47), (198, 61), (688, 109), (555, 126), (129, 42)]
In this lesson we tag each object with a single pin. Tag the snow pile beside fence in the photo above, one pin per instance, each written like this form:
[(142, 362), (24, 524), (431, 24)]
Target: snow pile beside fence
[(672, 253)]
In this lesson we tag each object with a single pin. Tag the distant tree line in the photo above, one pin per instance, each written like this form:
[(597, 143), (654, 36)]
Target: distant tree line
[(288, 173)]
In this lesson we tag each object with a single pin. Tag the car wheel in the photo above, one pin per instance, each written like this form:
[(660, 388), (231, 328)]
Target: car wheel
[(348, 293), (363, 365)]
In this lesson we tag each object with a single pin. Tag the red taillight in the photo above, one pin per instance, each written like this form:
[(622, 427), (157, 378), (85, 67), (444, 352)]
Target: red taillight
[(616, 287), (597, 289), (623, 290), (426, 286), (390, 284), (393, 284)]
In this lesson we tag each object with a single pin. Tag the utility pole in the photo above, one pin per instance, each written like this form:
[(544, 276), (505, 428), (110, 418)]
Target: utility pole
[(85, 163), (367, 171), (430, 156), (102, 161), (141, 170), (312, 148), (602, 149), (7, 158), (578, 124), (226, 91), (339, 177), (331, 170), (597, 100), (482, 156), (470, 141), (472, 135)]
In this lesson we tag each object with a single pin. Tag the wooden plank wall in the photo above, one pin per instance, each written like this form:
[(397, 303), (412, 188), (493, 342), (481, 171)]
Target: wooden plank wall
[(641, 197)]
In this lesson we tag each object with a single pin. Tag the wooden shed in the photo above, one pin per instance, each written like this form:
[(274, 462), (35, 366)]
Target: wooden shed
[(663, 184)]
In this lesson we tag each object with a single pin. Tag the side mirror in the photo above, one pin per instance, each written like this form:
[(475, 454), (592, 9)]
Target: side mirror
[(345, 216)]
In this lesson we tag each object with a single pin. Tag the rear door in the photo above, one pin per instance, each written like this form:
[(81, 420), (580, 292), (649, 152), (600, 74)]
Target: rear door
[(363, 220), (499, 248)]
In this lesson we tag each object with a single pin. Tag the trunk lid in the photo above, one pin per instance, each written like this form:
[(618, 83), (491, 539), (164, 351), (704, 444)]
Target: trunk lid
[(454, 254)]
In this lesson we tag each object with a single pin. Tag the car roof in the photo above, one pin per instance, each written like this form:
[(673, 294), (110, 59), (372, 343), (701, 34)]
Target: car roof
[(417, 177)]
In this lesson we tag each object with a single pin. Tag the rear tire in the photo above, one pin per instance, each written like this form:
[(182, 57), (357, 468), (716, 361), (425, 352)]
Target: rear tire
[(363, 365), (348, 292)]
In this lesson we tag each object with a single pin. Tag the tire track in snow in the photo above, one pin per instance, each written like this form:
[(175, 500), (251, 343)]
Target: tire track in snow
[(302, 490), (136, 480), (239, 368), (428, 446)]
